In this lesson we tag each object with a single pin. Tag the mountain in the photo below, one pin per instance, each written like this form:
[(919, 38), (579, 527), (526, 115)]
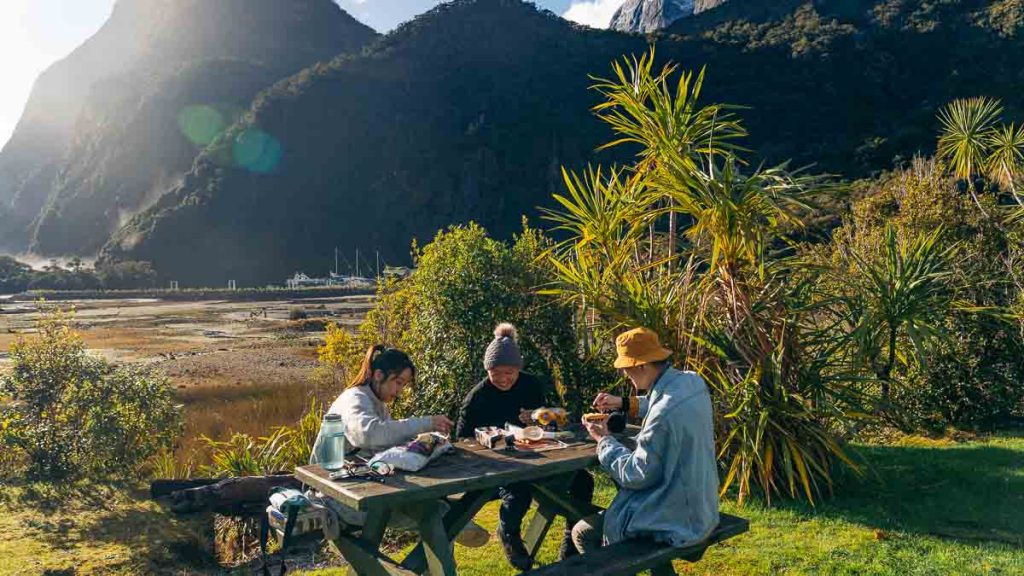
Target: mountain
[(852, 85), (468, 112), (101, 135), (647, 16)]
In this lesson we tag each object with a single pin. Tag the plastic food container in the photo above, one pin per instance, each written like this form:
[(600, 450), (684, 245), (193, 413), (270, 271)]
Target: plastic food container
[(533, 433), (489, 436)]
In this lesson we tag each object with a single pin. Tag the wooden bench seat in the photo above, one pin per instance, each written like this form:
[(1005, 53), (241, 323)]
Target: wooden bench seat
[(634, 556)]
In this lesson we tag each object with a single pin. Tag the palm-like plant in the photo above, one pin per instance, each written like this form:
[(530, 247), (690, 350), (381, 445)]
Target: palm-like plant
[(1005, 163), (603, 265), (903, 293), (669, 125), (966, 129), (974, 144), (740, 214), (676, 136), (727, 308)]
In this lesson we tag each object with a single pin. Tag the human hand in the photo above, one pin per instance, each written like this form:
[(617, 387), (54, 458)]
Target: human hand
[(597, 430), (442, 424), (607, 402), (525, 416)]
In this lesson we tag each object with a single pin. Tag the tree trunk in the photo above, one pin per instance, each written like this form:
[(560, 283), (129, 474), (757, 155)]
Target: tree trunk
[(886, 375), (240, 496)]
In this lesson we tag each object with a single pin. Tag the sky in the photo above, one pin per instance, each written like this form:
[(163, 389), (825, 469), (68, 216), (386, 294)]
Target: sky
[(37, 33)]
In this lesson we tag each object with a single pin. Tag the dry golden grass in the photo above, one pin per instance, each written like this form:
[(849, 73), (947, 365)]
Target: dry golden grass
[(248, 391), (220, 411)]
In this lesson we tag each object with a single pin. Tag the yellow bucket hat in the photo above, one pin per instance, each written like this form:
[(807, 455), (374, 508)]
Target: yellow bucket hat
[(639, 346)]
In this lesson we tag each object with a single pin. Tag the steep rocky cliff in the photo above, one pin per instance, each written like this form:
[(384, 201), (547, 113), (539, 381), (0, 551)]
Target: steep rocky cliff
[(99, 136)]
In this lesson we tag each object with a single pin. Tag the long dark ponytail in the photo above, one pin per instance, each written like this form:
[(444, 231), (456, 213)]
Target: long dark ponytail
[(380, 357)]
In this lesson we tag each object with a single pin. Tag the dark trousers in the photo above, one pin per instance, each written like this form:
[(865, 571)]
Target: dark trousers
[(515, 502)]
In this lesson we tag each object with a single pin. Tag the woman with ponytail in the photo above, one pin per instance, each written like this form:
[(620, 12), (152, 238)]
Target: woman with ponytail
[(363, 406)]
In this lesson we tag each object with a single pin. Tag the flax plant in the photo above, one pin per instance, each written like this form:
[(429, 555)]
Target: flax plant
[(674, 134), (726, 298), (894, 304), (283, 449)]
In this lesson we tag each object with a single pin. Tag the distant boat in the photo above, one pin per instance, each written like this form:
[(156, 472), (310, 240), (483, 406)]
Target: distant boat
[(398, 271), (301, 280)]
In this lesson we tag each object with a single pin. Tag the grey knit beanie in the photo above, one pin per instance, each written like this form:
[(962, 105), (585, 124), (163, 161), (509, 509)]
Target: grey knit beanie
[(503, 350)]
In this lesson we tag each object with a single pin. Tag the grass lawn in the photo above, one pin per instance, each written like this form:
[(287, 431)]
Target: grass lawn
[(923, 508), (97, 530)]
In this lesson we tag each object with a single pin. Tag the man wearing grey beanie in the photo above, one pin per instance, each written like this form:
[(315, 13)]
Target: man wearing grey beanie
[(509, 395)]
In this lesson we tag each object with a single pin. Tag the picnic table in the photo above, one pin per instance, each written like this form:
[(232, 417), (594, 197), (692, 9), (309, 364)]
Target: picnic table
[(469, 477)]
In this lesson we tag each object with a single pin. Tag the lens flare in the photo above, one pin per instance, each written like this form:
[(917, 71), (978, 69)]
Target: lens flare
[(201, 124), (256, 151)]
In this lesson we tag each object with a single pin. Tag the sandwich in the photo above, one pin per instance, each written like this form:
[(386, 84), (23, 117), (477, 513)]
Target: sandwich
[(595, 418)]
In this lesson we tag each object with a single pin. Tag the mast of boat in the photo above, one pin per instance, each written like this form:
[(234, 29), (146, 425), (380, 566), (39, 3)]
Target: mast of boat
[(357, 262)]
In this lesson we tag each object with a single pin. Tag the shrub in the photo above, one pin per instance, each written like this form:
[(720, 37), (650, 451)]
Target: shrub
[(444, 315), (338, 348), (297, 313), (337, 357), (69, 414), (973, 375)]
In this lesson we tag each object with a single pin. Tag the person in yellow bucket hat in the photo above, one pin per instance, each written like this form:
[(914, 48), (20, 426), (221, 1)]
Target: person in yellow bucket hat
[(668, 485)]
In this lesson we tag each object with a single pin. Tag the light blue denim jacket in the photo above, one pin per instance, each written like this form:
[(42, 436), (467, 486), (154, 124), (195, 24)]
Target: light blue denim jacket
[(668, 486)]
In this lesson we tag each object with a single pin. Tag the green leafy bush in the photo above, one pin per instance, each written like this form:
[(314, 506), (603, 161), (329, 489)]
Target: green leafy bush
[(67, 414), (444, 315), (972, 375)]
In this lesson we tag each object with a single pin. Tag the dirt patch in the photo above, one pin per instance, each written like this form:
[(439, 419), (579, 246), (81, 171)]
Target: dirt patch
[(269, 364)]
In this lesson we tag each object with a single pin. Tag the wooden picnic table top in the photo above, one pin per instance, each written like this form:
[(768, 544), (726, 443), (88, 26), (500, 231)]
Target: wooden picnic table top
[(469, 467)]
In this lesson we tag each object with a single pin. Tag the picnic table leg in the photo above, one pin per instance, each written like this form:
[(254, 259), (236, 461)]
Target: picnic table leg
[(372, 535), (553, 499), (363, 553), (557, 493), (461, 512), (538, 528), (665, 569), (437, 546), (362, 561)]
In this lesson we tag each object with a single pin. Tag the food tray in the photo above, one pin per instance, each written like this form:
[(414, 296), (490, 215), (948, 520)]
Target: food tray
[(540, 445)]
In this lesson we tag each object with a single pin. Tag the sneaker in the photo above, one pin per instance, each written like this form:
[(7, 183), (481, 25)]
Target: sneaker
[(473, 536), (568, 548), (515, 552)]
